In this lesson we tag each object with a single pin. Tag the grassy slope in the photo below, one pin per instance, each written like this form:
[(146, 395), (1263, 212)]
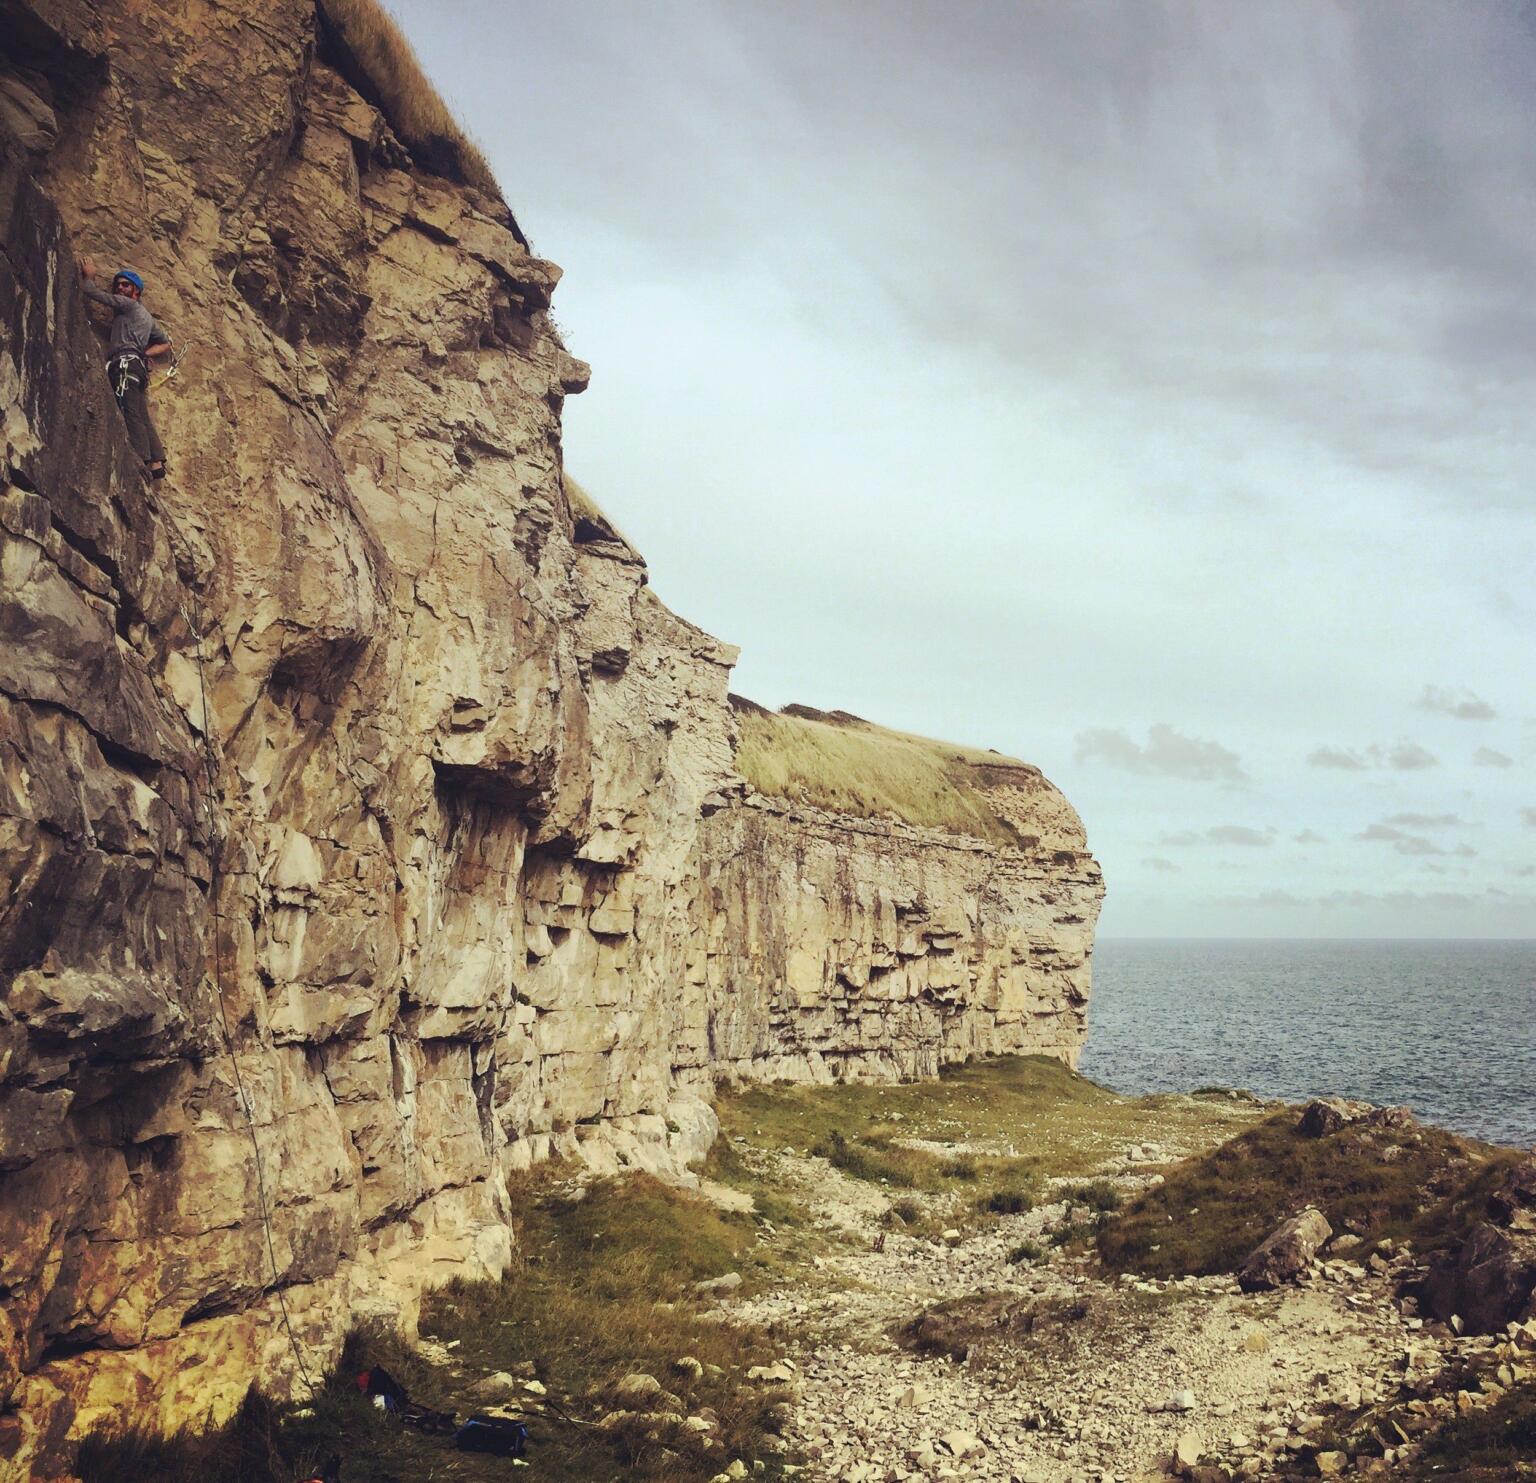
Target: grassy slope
[(1211, 1211), (406, 95), (856, 768)]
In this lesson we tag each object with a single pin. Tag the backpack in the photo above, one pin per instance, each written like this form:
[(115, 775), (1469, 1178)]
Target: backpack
[(379, 1382), (493, 1434)]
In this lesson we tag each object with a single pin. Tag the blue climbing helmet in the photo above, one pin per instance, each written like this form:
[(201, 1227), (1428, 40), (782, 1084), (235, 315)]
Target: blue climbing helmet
[(131, 276)]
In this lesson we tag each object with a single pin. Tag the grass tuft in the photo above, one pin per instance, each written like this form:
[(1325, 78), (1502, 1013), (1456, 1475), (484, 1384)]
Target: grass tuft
[(1098, 1195), (1008, 1200)]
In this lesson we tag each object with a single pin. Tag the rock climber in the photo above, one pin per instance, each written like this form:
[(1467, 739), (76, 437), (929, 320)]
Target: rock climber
[(136, 340)]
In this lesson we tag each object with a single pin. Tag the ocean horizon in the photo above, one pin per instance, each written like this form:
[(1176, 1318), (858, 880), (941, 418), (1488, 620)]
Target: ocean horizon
[(1446, 1026)]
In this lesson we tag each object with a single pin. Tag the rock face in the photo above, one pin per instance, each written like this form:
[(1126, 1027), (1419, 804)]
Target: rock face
[(836, 947), (358, 800)]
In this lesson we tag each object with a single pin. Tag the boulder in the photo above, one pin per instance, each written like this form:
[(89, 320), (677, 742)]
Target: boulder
[(1488, 1281), (1326, 1115), (1285, 1253), (716, 1287), (636, 1389), (498, 1387)]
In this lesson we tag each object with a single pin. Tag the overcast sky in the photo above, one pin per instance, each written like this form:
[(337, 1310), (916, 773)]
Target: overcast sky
[(1143, 390)]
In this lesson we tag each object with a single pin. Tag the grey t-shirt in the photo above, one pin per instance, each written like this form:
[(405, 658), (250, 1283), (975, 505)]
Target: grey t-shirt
[(133, 327)]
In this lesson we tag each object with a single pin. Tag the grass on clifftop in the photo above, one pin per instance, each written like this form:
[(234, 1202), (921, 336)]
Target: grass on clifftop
[(1417, 1182), (377, 49), (600, 1288), (836, 761)]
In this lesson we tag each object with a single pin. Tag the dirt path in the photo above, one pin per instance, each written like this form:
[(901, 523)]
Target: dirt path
[(1083, 1396)]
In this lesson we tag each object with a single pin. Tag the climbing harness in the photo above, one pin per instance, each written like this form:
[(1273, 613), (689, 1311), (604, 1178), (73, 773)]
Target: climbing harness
[(122, 371), (242, 1095)]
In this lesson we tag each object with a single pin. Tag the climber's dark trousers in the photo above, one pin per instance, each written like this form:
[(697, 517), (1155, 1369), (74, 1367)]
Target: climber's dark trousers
[(130, 383)]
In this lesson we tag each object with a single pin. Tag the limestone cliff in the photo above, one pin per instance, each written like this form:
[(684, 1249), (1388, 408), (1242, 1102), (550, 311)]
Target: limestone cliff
[(353, 747)]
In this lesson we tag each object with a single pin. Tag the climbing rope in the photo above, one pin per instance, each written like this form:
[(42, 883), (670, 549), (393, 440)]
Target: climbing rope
[(196, 625)]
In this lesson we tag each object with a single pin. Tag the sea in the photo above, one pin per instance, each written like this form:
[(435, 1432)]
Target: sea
[(1446, 1027)]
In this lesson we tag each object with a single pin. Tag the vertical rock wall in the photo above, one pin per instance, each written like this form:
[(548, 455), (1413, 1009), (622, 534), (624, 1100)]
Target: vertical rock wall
[(357, 686), (840, 948)]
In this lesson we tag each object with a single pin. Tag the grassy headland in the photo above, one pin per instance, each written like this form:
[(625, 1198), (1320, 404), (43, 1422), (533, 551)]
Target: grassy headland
[(836, 761)]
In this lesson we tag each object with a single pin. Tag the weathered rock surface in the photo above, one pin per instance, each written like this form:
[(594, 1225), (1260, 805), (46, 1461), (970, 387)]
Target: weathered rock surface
[(1286, 1252), (833, 947), (352, 748)]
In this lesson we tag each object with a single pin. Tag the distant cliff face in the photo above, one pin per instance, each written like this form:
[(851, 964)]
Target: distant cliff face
[(353, 747)]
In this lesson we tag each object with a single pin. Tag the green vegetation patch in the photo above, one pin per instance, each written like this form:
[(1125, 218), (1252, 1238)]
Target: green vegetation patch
[(1417, 1182), (602, 1288), (1039, 1116), (839, 762)]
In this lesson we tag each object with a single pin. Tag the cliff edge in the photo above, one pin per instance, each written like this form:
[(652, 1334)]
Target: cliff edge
[(359, 802)]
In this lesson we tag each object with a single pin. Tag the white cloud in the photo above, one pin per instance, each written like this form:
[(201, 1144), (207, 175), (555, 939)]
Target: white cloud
[(1167, 753), (1400, 757), (1462, 704)]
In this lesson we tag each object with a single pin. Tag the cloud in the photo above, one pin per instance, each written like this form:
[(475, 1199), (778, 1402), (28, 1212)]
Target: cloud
[(1401, 757), (1310, 836), (1166, 754), (1220, 834), (1239, 834), (1413, 844), (1488, 757), (1462, 704), (1427, 821), (1409, 757), (1159, 862), (1336, 757), (1413, 901)]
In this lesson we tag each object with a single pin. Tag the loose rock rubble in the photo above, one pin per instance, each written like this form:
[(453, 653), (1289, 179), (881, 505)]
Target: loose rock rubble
[(1136, 1378)]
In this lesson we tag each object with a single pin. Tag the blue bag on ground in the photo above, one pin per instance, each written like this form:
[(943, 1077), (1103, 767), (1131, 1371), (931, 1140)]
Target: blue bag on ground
[(494, 1434)]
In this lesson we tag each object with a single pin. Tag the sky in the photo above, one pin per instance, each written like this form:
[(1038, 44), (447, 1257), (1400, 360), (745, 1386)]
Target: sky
[(1142, 390)]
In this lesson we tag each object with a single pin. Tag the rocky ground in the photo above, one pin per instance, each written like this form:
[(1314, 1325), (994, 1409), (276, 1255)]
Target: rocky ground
[(1068, 1375)]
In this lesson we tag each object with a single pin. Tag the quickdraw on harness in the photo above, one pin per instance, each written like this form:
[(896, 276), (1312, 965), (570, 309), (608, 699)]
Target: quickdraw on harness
[(177, 355)]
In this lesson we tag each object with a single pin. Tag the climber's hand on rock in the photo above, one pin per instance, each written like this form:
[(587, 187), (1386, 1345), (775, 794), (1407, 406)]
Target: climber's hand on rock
[(86, 270)]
